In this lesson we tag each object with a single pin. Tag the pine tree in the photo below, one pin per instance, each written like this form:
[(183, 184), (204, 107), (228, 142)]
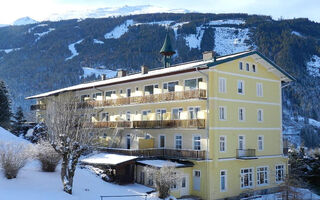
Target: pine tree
[(5, 104), (19, 120)]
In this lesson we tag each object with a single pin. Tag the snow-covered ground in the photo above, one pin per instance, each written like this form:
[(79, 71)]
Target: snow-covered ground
[(40, 35), (87, 71), (96, 41), (34, 27), (118, 31), (229, 40), (194, 40), (313, 66), (6, 136), (227, 21), (10, 50), (73, 49)]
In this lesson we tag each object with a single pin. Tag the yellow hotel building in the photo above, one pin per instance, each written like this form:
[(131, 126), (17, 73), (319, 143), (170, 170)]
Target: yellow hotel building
[(219, 119)]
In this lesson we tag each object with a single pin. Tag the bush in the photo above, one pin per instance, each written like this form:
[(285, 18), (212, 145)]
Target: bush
[(48, 157), (14, 156)]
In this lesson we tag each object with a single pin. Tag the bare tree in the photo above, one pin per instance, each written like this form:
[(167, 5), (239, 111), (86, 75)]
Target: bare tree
[(14, 156), (70, 133), (164, 178), (48, 156)]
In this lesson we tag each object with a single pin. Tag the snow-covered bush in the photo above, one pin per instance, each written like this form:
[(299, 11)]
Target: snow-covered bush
[(164, 178), (14, 156), (48, 157)]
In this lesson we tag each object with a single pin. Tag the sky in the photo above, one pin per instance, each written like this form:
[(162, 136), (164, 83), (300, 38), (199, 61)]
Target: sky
[(41, 9)]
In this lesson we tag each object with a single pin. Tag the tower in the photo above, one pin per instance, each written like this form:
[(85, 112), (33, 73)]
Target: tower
[(167, 51)]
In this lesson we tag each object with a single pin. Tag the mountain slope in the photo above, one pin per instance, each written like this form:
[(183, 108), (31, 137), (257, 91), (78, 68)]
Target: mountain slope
[(40, 57)]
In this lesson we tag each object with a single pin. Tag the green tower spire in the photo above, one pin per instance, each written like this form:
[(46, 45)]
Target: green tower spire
[(167, 50)]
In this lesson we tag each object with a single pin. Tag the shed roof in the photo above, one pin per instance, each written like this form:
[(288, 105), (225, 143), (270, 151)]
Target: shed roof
[(107, 159)]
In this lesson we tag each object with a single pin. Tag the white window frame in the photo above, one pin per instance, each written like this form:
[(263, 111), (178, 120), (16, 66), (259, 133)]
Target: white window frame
[(282, 173), (160, 114), (242, 83), (128, 116), (258, 118), (175, 141), (148, 111), (243, 114), (255, 67), (247, 67), (259, 88), (159, 143), (242, 178), (153, 85), (194, 173), (224, 116), (225, 181), (222, 85), (243, 143), (224, 142), (197, 82), (193, 109), (262, 143), (193, 142), (265, 172), (179, 113)]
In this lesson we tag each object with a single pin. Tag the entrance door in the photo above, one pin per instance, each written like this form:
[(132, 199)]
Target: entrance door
[(185, 185), (196, 180)]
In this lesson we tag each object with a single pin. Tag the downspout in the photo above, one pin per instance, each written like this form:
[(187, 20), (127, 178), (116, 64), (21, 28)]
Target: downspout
[(207, 132)]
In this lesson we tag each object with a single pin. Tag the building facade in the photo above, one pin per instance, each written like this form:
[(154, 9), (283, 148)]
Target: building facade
[(221, 115)]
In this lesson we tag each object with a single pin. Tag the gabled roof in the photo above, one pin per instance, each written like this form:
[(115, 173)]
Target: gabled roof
[(174, 69)]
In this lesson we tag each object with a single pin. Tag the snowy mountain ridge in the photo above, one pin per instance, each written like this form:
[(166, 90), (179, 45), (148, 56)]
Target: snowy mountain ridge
[(24, 21)]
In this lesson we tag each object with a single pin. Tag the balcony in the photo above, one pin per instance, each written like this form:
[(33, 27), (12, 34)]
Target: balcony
[(159, 153), (38, 107), (153, 124), (246, 154), (153, 98)]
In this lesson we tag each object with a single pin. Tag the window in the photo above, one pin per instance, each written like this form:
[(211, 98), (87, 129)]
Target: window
[(254, 68), (150, 180), (279, 173), (222, 113), (193, 112), (178, 141), (241, 142), (192, 84), (241, 114), (223, 181), (260, 143), (129, 92), (196, 143), (240, 66), (222, 85), (262, 175), (121, 91), (145, 114), (97, 95), (183, 182), (246, 180), (222, 143), (128, 115), (240, 87), (84, 97), (149, 89), (176, 113), (260, 115), (108, 93), (160, 114), (105, 117), (259, 89), (162, 141), (170, 87), (137, 88), (247, 67), (174, 185)]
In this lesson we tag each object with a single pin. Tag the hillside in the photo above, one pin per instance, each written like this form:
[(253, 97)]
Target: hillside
[(36, 58)]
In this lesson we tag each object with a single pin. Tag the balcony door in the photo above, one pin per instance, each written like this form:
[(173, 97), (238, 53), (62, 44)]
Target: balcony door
[(162, 141), (128, 142), (241, 145)]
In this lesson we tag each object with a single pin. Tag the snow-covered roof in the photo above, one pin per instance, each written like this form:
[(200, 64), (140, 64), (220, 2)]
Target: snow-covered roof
[(164, 71), (107, 159), (162, 163)]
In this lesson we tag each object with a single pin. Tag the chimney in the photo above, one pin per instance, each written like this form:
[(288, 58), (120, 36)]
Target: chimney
[(121, 73), (103, 77), (208, 55), (144, 69)]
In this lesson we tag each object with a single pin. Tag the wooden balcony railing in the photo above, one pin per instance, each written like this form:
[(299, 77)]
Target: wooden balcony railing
[(246, 153), (159, 153), (189, 123), (169, 96), (38, 107)]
